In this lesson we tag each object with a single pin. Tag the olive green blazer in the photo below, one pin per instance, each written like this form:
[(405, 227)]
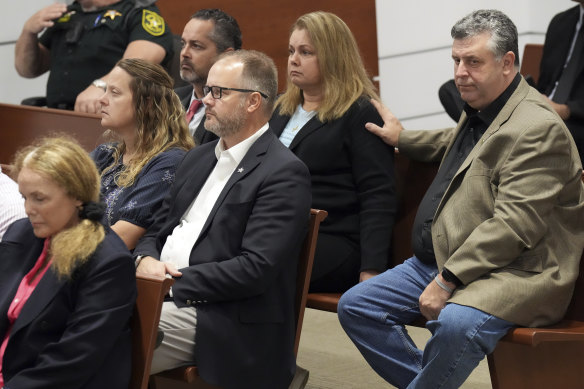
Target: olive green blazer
[(511, 223)]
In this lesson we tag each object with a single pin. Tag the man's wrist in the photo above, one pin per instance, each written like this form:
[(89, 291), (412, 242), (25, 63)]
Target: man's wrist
[(449, 277), (138, 260), (442, 285)]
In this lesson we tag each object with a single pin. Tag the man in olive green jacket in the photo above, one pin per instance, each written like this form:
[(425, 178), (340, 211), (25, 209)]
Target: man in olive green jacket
[(510, 225), (498, 236)]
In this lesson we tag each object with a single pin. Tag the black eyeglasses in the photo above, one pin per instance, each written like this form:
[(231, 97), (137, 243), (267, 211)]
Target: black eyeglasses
[(217, 91)]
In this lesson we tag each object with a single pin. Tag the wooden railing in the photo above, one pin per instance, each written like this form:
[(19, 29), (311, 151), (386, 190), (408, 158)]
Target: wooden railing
[(21, 125)]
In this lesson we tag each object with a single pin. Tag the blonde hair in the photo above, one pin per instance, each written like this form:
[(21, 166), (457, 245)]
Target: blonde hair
[(160, 118), (63, 161), (344, 78)]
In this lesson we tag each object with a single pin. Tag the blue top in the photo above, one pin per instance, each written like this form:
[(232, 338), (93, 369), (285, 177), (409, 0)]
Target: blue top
[(137, 203), (296, 122)]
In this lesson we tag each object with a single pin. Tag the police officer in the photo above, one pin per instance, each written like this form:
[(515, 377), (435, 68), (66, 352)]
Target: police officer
[(83, 42)]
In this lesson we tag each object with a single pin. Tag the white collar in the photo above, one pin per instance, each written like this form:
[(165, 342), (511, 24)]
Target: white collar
[(238, 151)]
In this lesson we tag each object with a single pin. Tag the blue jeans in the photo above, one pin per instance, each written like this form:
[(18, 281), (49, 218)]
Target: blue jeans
[(373, 314)]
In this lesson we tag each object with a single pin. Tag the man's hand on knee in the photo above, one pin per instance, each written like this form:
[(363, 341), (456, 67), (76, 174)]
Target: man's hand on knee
[(432, 300)]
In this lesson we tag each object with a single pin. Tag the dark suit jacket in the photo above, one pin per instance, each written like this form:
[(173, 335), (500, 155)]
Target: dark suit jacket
[(201, 134), (555, 50), (242, 269), (353, 179), (70, 334)]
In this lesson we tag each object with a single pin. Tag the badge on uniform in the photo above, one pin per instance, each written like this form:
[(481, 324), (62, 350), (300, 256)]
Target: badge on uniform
[(152, 23), (112, 13)]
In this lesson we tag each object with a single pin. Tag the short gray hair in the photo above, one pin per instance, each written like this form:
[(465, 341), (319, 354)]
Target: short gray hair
[(502, 30), (259, 73)]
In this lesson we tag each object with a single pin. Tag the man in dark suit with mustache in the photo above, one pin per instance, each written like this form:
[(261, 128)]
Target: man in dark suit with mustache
[(209, 33)]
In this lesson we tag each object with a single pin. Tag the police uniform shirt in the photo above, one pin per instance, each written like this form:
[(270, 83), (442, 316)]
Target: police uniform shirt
[(86, 45)]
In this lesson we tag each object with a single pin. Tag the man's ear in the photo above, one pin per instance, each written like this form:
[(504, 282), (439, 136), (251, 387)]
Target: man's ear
[(255, 102), (508, 61)]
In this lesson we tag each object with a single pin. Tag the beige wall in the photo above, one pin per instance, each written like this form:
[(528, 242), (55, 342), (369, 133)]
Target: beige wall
[(414, 49)]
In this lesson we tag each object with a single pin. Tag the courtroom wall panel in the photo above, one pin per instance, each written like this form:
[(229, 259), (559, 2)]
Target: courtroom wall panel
[(265, 25), (22, 125)]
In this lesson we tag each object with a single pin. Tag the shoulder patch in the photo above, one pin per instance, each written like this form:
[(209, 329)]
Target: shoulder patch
[(152, 23)]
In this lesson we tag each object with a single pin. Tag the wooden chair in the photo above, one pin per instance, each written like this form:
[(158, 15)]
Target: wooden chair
[(190, 375), (531, 59), (151, 292), (547, 357)]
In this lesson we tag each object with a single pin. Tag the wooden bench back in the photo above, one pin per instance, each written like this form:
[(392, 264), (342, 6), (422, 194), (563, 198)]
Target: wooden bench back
[(532, 54), (304, 270), (576, 308), (21, 125), (413, 179), (151, 291)]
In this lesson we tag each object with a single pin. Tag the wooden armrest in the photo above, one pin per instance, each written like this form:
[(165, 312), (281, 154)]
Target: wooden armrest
[(323, 301), (188, 374), (184, 374), (566, 330)]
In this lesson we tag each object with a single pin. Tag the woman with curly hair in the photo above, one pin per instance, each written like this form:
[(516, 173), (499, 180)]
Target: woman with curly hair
[(67, 284), (141, 109)]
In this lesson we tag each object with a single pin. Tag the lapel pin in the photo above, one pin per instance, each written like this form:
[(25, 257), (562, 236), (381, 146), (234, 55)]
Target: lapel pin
[(240, 170)]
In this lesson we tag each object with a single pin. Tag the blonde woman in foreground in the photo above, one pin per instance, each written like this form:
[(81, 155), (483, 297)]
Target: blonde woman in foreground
[(67, 284)]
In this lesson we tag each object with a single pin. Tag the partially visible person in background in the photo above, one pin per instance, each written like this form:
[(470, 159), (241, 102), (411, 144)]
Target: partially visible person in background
[(82, 43), (142, 110), (209, 33), (561, 75), (11, 203), (67, 284), (321, 117)]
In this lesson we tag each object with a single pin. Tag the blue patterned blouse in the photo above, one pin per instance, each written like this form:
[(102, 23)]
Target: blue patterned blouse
[(137, 203)]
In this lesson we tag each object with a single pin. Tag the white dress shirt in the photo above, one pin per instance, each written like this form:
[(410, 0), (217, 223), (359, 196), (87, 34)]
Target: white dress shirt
[(196, 120), (178, 246), (11, 203)]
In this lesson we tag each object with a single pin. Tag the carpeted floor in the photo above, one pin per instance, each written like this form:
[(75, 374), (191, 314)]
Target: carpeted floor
[(334, 362)]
